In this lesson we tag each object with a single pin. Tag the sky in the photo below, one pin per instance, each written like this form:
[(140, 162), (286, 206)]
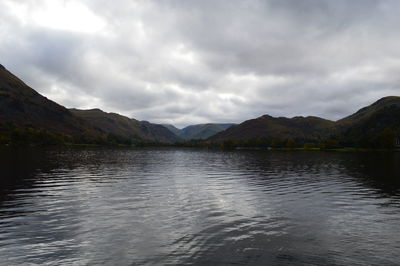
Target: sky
[(187, 62)]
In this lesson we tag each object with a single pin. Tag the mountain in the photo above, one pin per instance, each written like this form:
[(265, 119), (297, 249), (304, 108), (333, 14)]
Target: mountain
[(202, 131), (118, 125), (22, 107), (172, 128), (377, 125), (27, 117), (268, 127), (158, 133), (364, 113), (374, 126), (199, 131)]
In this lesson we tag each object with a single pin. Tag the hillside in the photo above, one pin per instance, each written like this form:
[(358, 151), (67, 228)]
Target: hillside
[(118, 125), (158, 133), (377, 125), (368, 111), (268, 127), (27, 117), (22, 107), (172, 128), (374, 126)]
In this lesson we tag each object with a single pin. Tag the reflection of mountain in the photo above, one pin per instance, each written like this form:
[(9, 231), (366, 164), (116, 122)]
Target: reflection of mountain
[(19, 167), (375, 171), (310, 203), (379, 171)]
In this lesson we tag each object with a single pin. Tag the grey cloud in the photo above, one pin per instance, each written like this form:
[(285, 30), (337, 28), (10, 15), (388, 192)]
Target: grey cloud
[(186, 62)]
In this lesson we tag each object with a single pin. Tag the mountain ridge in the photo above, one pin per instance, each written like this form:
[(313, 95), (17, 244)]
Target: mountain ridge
[(376, 125), (28, 116), (266, 126)]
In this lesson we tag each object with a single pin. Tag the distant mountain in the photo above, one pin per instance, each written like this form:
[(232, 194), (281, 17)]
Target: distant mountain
[(297, 128), (172, 128), (158, 132), (22, 107), (200, 131), (118, 125)]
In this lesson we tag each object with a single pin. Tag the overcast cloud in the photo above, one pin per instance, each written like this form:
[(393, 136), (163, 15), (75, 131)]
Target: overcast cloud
[(187, 62)]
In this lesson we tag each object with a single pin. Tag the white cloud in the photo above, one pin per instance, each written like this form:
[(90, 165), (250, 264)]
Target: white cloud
[(186, 62), (60, 15)]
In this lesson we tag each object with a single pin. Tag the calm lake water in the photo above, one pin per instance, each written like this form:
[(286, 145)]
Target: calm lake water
[(197, 207)]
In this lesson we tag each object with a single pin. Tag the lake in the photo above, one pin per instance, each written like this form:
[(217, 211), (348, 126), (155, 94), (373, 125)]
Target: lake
[(165, 206)]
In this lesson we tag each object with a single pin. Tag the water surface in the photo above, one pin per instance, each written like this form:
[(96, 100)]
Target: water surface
[(197, 207)]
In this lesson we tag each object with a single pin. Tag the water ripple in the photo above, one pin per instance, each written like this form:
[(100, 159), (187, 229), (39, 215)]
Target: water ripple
[(193, 207)]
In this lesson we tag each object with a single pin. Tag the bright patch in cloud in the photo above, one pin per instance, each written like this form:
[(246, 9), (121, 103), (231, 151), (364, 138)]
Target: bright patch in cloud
[(60, 15)]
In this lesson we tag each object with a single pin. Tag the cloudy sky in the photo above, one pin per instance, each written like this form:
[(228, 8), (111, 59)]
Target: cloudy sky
[(185, 62)]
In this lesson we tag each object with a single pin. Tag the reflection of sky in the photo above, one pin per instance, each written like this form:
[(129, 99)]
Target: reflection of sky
[(176, 206)]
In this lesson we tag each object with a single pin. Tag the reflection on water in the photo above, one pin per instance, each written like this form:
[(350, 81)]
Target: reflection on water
[(196, 207)]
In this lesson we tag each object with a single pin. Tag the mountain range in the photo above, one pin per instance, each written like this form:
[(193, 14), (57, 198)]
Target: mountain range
[(27, 117), (377, 125)]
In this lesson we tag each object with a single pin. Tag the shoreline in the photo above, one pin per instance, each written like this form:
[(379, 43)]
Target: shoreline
[(211, 147)]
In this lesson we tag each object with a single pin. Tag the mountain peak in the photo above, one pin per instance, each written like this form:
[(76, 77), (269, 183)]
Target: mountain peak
[(387, 99), (266, 116), (96, 110)]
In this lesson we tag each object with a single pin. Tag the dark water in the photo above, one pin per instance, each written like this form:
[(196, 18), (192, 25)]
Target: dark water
[(195, 207)]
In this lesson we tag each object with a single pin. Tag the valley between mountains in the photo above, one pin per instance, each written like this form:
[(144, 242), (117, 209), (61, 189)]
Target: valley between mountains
[(29, 118)]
